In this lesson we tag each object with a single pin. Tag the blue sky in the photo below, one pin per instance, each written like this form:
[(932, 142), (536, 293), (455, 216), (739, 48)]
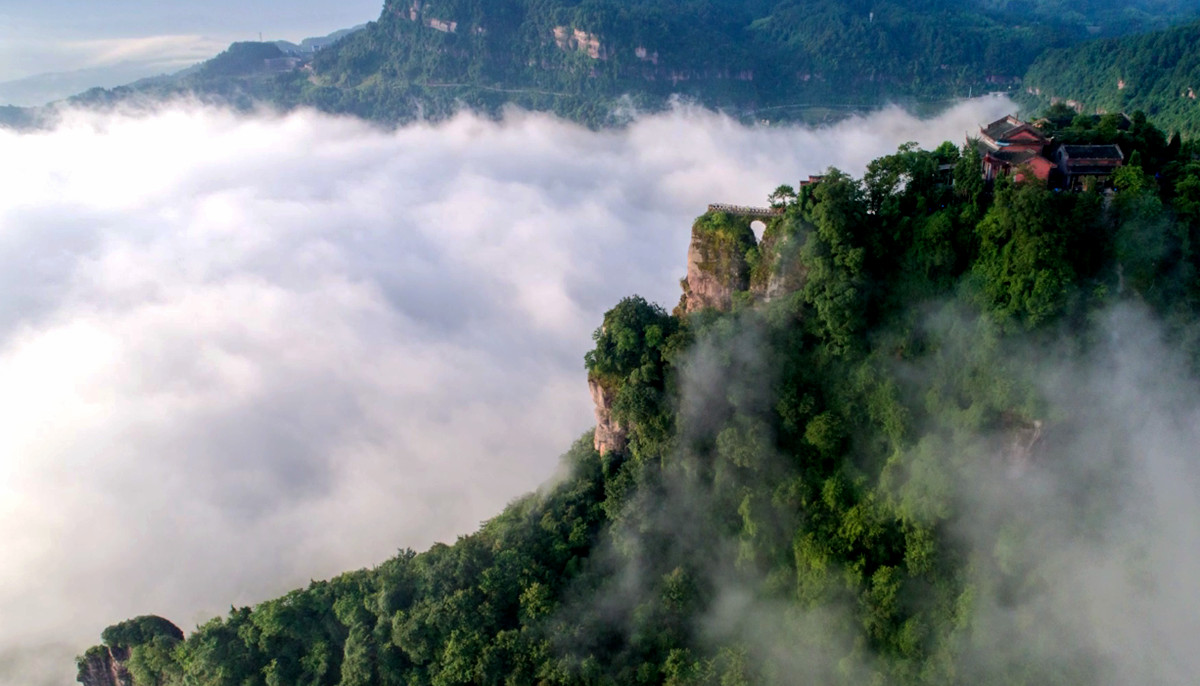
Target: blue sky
[(39, 36)]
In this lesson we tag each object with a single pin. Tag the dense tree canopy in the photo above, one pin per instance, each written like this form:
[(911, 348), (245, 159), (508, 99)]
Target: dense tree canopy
[(1154, 72)]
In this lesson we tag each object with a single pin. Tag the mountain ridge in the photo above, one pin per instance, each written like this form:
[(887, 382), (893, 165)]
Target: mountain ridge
[(590, 61)]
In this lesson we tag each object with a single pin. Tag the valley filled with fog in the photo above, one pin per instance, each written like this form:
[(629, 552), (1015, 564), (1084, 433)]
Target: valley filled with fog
[(241, 352)]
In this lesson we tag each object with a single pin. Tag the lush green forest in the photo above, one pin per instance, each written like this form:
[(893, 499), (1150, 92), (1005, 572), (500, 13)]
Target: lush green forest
[(1158, 73), (1103, 18), (591, 60), (793, 501)]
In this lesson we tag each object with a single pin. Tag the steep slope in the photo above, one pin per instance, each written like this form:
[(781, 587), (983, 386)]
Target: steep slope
[(891, 471), (590, 61), (579, 59), (1158, 73)]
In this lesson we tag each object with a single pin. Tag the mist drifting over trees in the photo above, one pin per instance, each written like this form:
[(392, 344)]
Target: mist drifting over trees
[(261, 350), (957, 446)]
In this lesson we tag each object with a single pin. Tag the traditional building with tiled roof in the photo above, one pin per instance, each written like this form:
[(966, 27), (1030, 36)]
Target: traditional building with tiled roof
[(1080, 162), (1012, 133), (1009, 143)]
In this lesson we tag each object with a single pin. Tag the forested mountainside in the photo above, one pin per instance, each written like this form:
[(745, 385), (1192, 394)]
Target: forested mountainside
[(1158, 73), (589, 60), (18, 117), (865, 448)]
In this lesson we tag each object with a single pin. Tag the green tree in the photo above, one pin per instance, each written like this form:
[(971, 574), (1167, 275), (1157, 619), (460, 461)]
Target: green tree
[(968, 182), (1023, 266), (835, 257)]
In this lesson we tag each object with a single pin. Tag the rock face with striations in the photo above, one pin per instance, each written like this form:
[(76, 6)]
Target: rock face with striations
[(105, 666), (779, 269), (610, 435), (716, 262)]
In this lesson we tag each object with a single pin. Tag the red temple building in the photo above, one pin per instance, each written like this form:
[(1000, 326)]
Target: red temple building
[(1011, 147), (1008, 144)]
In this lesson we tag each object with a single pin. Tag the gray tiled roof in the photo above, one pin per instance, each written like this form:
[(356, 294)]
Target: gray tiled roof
[(1093, 152), (1014, 156), (1002, 129)]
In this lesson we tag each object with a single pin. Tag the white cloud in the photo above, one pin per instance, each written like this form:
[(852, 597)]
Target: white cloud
[(42, 58), (172, 50), (237, 353)]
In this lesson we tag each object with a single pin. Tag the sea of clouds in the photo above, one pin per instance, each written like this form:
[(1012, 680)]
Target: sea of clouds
[(241, 352)]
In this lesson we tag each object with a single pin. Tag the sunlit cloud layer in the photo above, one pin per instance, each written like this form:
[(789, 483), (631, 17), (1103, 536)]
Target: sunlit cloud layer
[(238, 353), (67, 35), (24, 55)]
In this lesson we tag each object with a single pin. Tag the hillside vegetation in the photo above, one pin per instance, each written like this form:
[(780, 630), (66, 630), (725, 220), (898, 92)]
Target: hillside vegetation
[(592, 60), (1158, 73), (871, 476)]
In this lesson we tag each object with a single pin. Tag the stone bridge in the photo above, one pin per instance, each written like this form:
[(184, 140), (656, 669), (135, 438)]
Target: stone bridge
[(746, 211)]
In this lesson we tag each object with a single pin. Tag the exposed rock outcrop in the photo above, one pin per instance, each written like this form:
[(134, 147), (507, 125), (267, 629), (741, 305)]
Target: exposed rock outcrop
[(610, 435), (645, 55), (724, 258), (779, 270), (105, 666), (568, 39), (716, 261), (712, 278)]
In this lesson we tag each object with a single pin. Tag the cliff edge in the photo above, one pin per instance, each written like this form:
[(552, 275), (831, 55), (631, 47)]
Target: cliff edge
[(104, 666), (717, 261), (107, 664), (610, 436)]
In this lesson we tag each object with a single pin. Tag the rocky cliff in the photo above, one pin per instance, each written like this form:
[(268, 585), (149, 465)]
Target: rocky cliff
[(610, 435), (725, 264), (778, 270), (104, 666), (717, 261), (725, 259)]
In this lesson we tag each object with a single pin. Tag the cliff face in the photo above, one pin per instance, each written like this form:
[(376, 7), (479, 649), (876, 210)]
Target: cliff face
[(610, 435), (105, 666), (716, 262), (779, 270), (725, 259)]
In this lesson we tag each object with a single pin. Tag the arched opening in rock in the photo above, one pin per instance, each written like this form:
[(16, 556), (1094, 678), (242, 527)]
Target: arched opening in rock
[(758, 228)]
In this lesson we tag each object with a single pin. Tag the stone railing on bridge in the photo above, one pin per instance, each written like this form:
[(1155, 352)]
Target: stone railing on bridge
[(746, 211)]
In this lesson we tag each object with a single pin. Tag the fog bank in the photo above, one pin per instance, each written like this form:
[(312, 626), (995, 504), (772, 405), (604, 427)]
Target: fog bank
[(237, 353)]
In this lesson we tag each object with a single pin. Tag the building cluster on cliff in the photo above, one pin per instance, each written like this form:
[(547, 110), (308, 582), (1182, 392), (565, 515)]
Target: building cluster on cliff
[(1011, 147)]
